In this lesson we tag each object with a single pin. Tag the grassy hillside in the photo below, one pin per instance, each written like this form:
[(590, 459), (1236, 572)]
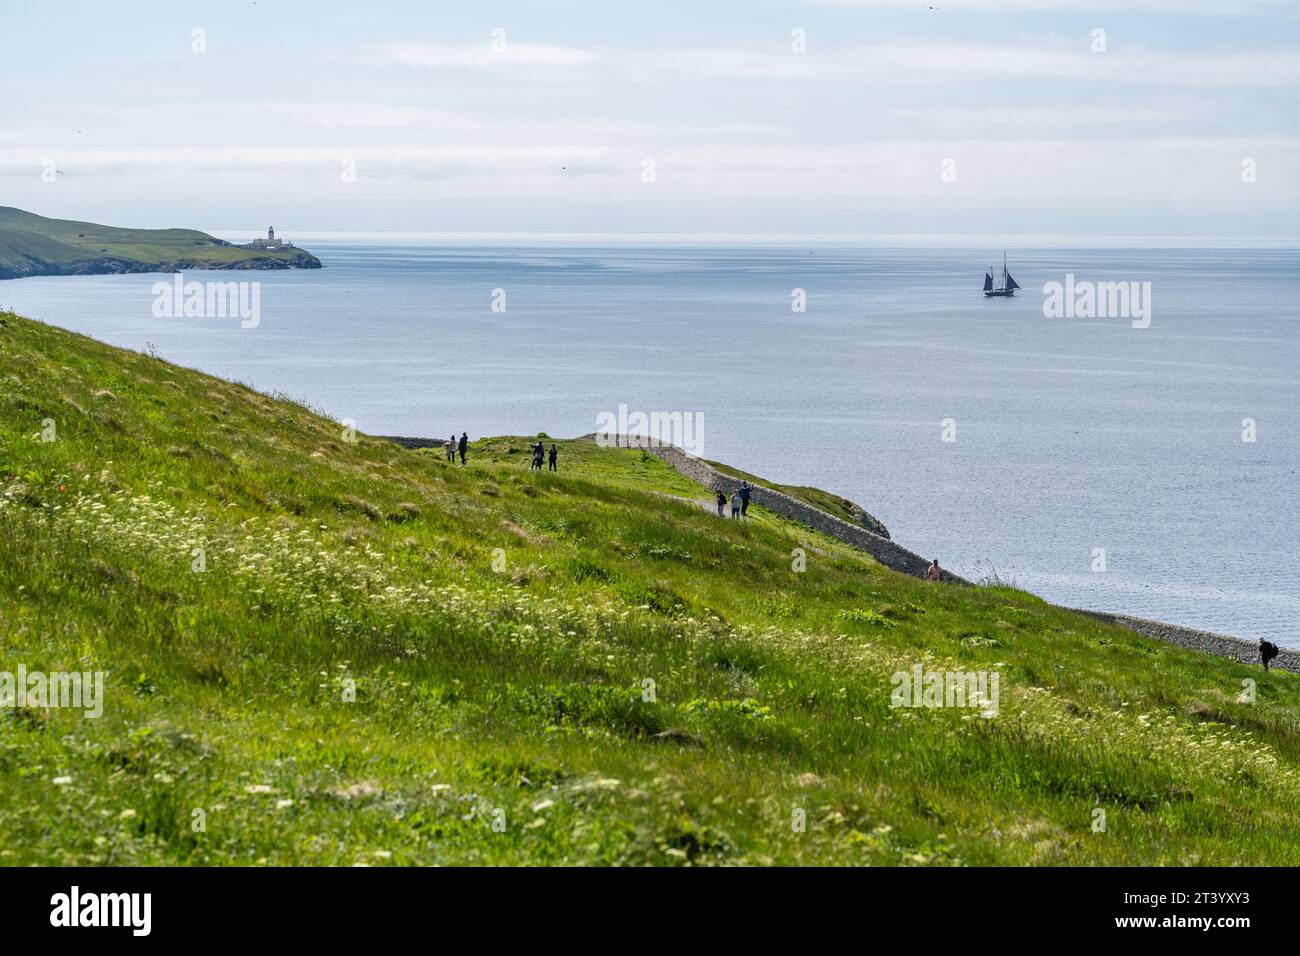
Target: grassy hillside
[(497, 628), (842, 508), (35, 245)]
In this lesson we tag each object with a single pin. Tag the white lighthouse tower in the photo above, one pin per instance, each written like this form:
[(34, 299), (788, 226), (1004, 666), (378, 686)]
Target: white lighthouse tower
[(270, 242)]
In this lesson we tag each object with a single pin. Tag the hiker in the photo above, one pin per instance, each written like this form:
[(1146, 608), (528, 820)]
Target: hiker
[(935, 573), (1267, 651), (462, 445), (744, 498), (449, 447), (538, 451), (735, 504), (555, 453), (722, 505)]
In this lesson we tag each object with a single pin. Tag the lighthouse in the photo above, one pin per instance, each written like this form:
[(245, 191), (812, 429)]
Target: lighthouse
[(270, 242)]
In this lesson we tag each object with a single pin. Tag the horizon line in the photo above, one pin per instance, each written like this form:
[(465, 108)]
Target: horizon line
[(762, 238)]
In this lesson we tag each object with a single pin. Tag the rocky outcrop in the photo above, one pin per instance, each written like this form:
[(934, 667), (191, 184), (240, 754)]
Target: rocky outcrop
[(868, 521), (113, 265)]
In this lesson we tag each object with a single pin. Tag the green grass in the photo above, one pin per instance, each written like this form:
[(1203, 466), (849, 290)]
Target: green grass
[(36, 245), (635, 470), (842, 508), (390, 659)]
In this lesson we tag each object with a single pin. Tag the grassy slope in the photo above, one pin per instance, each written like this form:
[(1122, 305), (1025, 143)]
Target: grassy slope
[(65, 243), (842, 508), (519, 690)]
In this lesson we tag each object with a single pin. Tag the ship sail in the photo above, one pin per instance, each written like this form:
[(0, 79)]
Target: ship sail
[(1000, 286)]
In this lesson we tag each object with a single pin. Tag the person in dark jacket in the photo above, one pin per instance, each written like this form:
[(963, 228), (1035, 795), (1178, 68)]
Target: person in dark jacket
[(539, 452), (1267, 651), (722, 505), (555, 453), (744, 498), (462, 445)]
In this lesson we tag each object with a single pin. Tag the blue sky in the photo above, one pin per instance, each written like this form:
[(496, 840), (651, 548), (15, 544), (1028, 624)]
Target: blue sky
[(553, 127)]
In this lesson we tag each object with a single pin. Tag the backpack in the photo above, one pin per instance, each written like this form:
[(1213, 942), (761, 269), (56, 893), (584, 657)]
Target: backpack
[(1267, 650)]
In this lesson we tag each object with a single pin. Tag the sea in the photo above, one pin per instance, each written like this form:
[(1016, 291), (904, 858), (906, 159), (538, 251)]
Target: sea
[(1142, 464)]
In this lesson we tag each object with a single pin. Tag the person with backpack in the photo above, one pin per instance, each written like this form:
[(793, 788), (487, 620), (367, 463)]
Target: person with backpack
[(1267, 651), (735, 504), (539, 454), (555, 453), (449, 446), (744, 498), (722, 505), (462, 445)]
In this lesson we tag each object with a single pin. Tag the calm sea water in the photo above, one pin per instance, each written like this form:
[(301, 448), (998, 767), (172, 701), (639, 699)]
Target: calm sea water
[(1071, 434)]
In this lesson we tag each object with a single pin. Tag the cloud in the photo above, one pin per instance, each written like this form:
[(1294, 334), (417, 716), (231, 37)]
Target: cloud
[(396, 160), (991, 7), (908, 64), (1036, 119), (305, 123), (485, 54), (896, 64), (1183, 169)]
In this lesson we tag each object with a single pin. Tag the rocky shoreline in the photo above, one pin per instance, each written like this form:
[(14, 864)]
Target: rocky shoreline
[(1222, 645), (110, 265)]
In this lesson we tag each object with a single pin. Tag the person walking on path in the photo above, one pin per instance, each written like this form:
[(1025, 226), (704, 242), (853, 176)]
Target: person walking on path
[(935, 573), (722, 505), (1267, 651), (555, 453), (735, 504), (744, 498), (462, 445)]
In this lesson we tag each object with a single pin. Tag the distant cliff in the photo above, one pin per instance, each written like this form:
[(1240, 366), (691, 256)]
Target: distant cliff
[(32, 245)]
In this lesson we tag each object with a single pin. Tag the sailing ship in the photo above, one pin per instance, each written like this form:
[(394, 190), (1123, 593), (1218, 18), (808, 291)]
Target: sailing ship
[(1007, 286)]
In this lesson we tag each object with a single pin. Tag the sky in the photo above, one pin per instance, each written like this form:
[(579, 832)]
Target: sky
[(836, 117)]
